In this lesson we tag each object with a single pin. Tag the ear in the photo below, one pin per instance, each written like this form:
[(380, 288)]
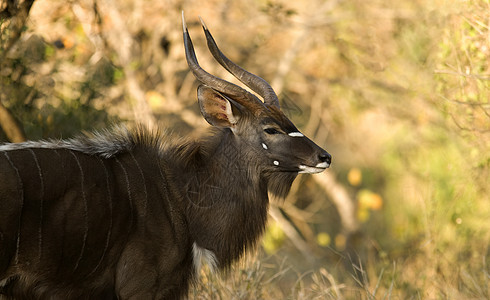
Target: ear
[(216, 108)]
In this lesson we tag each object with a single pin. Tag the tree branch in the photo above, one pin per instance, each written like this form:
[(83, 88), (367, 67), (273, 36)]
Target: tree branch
[(11, 126), (18, 13)]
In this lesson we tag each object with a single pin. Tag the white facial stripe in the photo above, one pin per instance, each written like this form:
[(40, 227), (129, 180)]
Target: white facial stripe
[(295, 134), (276, 163), (264, 146)]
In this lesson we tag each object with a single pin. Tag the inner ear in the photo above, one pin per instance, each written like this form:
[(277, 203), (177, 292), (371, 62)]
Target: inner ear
[(216, 108)]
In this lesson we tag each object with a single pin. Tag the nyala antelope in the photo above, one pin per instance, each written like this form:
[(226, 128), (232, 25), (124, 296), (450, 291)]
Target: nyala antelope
[(131, 214)]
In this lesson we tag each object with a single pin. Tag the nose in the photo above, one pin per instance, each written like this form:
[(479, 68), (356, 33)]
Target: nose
[(325, 157)]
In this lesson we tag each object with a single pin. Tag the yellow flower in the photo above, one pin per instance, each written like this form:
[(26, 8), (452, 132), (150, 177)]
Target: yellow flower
[(354, 176), (323, 239)]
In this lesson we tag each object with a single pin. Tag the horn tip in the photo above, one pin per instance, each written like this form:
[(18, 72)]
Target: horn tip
[(203, 24), (184, 25)]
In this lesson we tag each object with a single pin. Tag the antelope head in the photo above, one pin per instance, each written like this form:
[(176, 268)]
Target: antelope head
[(259, 125)]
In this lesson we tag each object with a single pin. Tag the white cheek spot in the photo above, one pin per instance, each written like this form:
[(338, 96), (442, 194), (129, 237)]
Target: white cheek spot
[(276, 163), (296, 134), (264, 146)]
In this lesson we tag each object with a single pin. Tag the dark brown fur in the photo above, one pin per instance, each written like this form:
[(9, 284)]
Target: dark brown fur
[(86, 225), (93, 222)]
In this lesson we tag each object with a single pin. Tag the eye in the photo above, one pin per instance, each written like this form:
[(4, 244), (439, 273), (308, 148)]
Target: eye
[(271, 130)]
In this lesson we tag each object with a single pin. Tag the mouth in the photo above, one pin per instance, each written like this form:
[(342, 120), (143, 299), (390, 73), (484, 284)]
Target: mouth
[(312, 170)]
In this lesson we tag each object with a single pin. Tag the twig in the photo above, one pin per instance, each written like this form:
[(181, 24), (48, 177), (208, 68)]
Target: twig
[(468, 75), (339, 196), (291, 233), (118, 38)]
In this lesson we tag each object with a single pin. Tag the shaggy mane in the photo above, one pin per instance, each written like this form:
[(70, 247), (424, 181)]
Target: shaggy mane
[(105, 143)]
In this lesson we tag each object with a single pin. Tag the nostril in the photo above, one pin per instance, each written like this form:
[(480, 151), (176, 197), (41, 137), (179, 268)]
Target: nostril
[(325, 157)]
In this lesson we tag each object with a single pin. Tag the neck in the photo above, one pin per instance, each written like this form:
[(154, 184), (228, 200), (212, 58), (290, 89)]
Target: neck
[(226, 198)]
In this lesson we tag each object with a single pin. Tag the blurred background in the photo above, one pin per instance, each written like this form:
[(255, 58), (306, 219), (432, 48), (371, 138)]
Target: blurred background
[(397, 91)]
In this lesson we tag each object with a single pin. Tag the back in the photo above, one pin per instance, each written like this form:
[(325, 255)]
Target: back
[(60, 212)]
